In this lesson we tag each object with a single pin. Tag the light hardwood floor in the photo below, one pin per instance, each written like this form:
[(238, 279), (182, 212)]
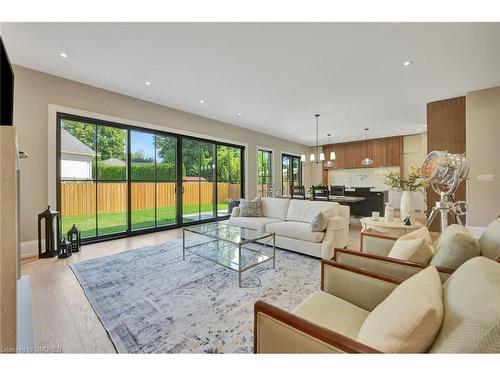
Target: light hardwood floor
[(63, 319)]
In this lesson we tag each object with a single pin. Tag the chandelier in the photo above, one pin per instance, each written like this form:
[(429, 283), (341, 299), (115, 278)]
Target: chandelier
[(318, 156)]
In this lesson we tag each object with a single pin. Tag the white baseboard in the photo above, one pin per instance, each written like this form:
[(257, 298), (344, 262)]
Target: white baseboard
[(29, 248), (476, 231)]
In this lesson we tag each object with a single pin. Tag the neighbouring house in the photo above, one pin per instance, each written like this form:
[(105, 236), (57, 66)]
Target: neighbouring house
[(76, 158), (114, 162)]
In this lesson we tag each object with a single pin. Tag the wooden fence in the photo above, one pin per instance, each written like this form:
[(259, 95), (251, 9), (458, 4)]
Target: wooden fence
[(79, 198)]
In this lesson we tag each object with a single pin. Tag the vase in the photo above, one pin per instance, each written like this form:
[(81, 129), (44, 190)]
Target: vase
[(389, 212), (406, 207)]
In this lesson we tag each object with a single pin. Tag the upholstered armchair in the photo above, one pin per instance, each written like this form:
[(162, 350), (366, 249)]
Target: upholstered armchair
[(465, 313), (375, 248), (328, 320)]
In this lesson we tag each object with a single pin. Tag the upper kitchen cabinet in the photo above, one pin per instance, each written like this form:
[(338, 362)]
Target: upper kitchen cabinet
[(385, 152)]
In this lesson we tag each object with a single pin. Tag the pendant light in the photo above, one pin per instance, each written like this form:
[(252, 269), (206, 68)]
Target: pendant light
[(317, 156), (366, 160), (329, 162)]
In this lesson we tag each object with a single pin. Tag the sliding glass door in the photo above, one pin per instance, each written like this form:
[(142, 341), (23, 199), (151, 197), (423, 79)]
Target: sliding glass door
[(116, 180)]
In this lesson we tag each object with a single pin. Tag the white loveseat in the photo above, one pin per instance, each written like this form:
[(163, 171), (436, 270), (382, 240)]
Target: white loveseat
[(291, 219)]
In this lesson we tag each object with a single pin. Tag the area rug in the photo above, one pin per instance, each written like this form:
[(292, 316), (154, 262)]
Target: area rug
[(151, 301)]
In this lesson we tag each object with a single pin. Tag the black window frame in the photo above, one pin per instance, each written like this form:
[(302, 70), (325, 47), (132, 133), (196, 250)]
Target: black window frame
[(129, 128), (292, 158)]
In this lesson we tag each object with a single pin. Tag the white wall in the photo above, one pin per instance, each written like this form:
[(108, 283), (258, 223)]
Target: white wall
[(482, 126)]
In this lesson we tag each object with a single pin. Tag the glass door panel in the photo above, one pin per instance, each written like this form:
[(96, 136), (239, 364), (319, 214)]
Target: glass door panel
[(228, 177), (207, 181), (190, 180), (286, 175), (142, 176), (165, 180), (112, 206), (222, 180), (77, 173)]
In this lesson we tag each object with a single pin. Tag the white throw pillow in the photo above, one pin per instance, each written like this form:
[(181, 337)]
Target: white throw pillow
[(409, 319), (415, 246)]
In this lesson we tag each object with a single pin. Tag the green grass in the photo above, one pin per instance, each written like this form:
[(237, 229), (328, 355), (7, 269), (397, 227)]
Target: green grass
[(116, 222)]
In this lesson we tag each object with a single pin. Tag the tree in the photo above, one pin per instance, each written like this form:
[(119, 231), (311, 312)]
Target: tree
[(111, 142)]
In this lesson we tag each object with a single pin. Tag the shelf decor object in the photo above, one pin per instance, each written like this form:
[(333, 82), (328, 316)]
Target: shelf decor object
[(413, 182), (64, 249), (51, 220), (366, 160), (75, 239)]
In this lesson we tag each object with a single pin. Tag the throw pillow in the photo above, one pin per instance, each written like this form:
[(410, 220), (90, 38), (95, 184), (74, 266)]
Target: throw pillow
[(251, 208), (319, 222), (454, 247), (415, 246), (409, 319)]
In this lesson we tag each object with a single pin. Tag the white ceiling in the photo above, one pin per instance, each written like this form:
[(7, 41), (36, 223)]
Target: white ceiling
[(277, 75)]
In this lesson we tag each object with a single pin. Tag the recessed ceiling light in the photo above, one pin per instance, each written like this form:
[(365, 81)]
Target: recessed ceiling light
[(419, 129), (63, 55), (147, 83), (390, 133), (406, 63), (202, 101), (240, 114)]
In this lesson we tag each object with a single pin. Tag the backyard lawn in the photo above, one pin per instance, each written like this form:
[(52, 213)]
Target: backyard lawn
[(116, 222)]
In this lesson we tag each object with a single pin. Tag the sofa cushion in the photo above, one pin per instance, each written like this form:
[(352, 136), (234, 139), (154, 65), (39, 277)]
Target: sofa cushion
[(415, 246), (489, 242), (275, 207), (251, 208), (258, 223), (409, 319), (304, 210), (331, 312), (454, 247), (471, 298), (295, 229)]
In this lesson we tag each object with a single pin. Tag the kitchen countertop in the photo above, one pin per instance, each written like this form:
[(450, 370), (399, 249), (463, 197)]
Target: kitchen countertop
[(372, 189)]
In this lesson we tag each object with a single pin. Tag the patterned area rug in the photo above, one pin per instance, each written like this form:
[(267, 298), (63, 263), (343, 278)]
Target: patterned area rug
[(151, 301)]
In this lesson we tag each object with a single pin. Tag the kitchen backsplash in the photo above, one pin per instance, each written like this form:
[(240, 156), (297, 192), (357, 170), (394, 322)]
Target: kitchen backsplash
[(362, 177)]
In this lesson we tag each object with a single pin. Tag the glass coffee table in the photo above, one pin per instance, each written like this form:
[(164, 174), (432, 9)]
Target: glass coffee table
[(238, 249)]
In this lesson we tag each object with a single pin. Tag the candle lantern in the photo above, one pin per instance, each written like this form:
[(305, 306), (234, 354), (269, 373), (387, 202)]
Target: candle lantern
[(51, 222), (64, 249), (75, 238)]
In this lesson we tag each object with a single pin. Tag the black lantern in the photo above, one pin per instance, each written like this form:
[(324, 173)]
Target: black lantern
[(64, 249), (50, 218), (75, 238)]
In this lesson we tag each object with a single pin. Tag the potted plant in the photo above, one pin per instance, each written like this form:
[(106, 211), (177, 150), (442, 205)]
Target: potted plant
[(413, 182)]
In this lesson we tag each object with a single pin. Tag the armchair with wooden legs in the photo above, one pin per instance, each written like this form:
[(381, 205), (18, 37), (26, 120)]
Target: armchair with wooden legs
[(332, 319)]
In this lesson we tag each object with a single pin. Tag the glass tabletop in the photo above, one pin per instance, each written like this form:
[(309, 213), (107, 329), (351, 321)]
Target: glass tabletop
[(229, 233)]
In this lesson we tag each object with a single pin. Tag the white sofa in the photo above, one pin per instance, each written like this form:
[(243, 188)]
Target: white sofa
[(291, 219)]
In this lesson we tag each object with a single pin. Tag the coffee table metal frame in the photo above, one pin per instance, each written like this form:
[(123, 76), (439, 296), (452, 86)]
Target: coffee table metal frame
[(240, 244)]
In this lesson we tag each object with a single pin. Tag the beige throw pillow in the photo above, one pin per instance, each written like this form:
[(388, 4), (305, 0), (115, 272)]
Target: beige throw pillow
[(454, 247), (409, 319), (415, 246), (319, 222)]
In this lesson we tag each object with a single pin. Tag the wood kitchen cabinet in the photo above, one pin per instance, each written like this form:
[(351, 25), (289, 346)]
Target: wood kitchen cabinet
[(385, 152)]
